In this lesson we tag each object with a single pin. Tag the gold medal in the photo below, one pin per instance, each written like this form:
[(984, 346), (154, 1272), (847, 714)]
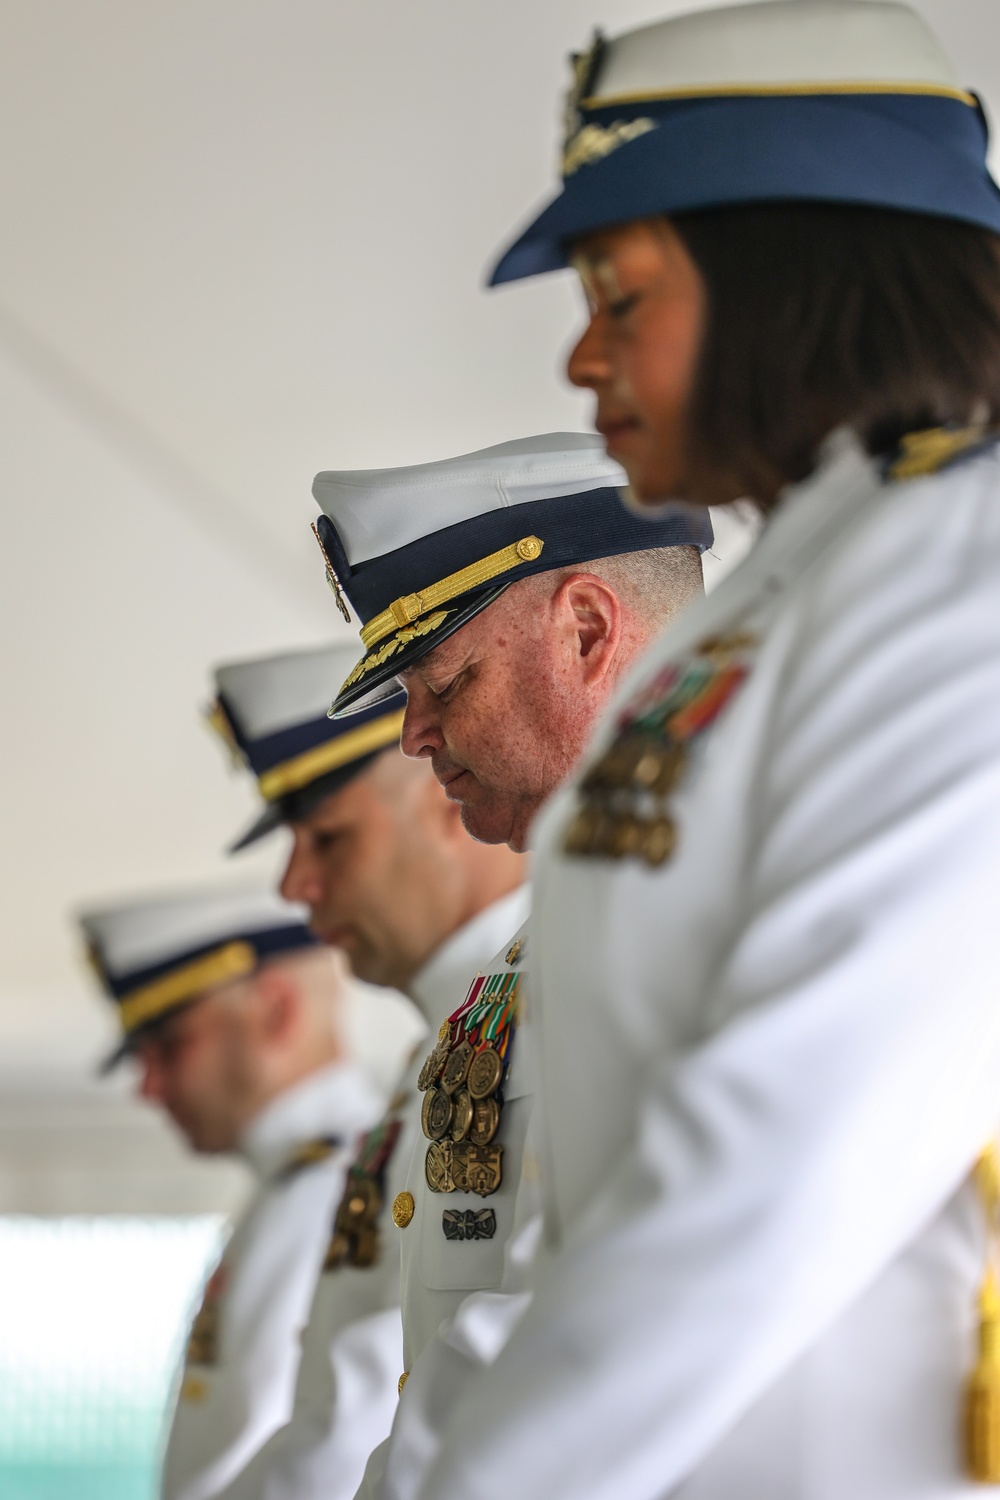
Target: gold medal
[(438, 1167), (365, 1247), (627, 837), (435, 1114), (485, 1121), (337, 1252), (485, 1073), (462, 1118), (660, 769), (580, 834), (658, 840), (477, 1169), (361, 1202), (456, 1067)]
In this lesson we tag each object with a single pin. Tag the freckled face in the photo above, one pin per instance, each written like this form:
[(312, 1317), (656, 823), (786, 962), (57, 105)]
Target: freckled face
[(646, 303), (496, 713)]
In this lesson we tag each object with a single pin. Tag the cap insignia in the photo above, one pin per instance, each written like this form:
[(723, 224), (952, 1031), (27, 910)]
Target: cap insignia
[(584, 66), (593, 142), (331, 577)]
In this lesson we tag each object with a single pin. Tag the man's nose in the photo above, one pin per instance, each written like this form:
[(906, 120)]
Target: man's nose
[(587, 365), (421, 735), (300, 882), (150, 1085)]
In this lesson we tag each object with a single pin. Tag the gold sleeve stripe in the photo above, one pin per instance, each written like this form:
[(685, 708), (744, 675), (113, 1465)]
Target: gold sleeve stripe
[(231, 961), (311, 764), (410, 607), (772, 90)]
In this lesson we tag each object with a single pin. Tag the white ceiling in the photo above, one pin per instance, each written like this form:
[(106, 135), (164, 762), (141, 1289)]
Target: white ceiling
[(242, 240)]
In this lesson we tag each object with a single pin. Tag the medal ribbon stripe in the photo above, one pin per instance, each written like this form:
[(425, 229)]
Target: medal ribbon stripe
[(623, 806), (703, 708)]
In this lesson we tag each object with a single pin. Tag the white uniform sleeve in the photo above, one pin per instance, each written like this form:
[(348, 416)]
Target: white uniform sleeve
[(848, 1075), (345, 1399)]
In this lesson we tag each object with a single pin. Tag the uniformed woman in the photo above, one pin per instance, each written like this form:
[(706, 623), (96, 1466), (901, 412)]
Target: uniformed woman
[(765, 954)]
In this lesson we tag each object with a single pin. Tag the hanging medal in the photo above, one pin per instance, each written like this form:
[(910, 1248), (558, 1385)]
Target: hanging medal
[(624, 809), (356, 1234), (462, 1084)]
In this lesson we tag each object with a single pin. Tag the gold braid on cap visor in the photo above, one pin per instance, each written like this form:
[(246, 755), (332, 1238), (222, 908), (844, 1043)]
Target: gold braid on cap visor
[(408, 616), (311, 764), (149, 1002)]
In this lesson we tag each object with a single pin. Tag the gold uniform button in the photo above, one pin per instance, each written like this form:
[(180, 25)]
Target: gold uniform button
[(528, 548), (403, 1208), (402, 1381)]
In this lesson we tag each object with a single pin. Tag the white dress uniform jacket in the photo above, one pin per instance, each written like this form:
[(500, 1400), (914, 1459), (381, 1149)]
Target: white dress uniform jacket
[(458, 1304), (243, 1357), (352, 1355), (767, 1066)]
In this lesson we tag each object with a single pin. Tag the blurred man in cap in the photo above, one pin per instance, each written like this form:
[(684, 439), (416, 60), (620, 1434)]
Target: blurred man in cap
[(231, 1010), (390, 876), (509, 590)]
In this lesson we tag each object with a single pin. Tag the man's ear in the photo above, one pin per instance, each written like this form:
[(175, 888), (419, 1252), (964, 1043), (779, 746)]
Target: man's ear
[(276, 1002), (593, 614)]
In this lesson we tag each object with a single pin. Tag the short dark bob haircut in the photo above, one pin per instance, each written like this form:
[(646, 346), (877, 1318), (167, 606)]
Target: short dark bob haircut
[(823, 315)]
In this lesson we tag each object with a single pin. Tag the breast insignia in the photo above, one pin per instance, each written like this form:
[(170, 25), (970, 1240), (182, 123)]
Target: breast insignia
[(515, 953), (469, 1223), (462, 1083), (356, 1235), (624, 810)]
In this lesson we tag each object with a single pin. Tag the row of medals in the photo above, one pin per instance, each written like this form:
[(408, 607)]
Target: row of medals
[(622, 812), (460, 1117)]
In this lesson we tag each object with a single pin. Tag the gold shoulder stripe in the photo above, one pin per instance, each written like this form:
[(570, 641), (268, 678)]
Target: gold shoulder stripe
[(311, 764), (777, 90), (929, 449), (231, 961), (410, 607)]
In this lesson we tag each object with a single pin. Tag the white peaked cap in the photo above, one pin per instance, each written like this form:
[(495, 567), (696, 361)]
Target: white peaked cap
[(784, 42), (134, 936), (277, 692), (380, 510)]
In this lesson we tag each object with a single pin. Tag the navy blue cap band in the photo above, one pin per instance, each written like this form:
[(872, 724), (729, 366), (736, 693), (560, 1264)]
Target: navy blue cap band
[(266, 943), (574, 528), (271, 750), (920, 152)]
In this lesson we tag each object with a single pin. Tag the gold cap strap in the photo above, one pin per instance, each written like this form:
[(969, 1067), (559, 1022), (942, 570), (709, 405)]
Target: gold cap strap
[(311, 764), (981, 1415), (231, 961), (218, 721), (410, 607)]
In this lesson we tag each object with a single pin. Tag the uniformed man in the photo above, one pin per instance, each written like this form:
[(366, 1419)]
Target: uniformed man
[(510, 604), (765, 953), (231, 1011), (391, 878)]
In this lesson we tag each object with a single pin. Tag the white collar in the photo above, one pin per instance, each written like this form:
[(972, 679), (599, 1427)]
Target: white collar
[(338, 1101), (442, 983)]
